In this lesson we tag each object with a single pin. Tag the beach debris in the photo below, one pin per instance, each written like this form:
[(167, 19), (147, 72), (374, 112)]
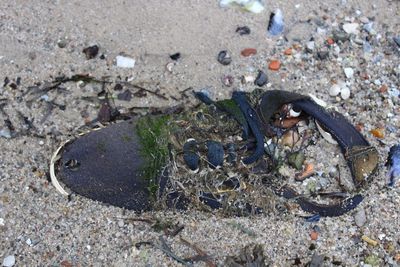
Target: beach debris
[(215, 154), (125, 96), (243, 30), (314, 235), (9, 261), (296, 160), (228, 80), (290, 138), (288, 51), (351, 28), (334, 90), (250, 255), (224, 58), (191, 155), (360, 218), (175, 56), (275, 24), (261, 78), (274, 65), (253, 6), (316, 260), (378, 132), (91, 51), (125, 62), (307, 172), (396, 39), (349, 72), (248, 79), (393, 162), (248, 52), (369, 240)]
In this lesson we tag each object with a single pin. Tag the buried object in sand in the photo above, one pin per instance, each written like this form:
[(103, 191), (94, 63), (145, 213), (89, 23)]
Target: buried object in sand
[(163, 161)]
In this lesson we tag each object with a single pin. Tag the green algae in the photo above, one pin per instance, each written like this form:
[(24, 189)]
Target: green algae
[(154, 133)]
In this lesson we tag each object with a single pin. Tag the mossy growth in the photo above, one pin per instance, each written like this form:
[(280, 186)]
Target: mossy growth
[(154, 133)]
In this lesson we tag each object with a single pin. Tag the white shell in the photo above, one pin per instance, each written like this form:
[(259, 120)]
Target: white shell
[(345, 93), (334, 90), (293, 113), (349, 72), (327, 136)]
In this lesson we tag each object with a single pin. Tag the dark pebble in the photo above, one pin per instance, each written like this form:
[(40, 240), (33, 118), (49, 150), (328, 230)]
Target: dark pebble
[(232, 155), (215, 154), (224, 58), (244, 30), (91, 51), (6, 81), (261, 79), (340, 36), (397, 40), (118, 87), (125, 96), (191, 155), (175, 56), (322, 55)]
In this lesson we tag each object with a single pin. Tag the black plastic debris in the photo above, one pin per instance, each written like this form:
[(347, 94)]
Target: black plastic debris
[(243, 30), (224, 58), (261, 78), (175, 56), (91, 51), (215, 154), (191, 155)]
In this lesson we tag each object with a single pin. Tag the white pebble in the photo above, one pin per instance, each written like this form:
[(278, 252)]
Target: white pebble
[(334, 90), (349, 72), (351, 28), (345, 93), (125, 62), (360, 218), (2, 222), (6, 133), (9, 261)]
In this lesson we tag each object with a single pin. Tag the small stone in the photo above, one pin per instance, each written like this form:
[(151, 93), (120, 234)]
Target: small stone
[(345, 92), (340, 36), (224, 58), (125, 62), (364, 19), (6, 133), (322, 55), (296, 160), (228, 80), (261, 79), (351, 28), (62, 43), (9, 261), (378, 132), (396, 39), (121, 223), (244, 30), (248, 79), (91, 51), (288, 51), (310, 46), (248, 52), (349, 72), (360, 218), (175, 56), (334, 90), (274, 65)]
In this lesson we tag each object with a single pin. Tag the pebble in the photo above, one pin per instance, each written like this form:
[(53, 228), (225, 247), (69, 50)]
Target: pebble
[(364, 19), (274, 65), (276, 24), (91, 51), (227, 80), (9, 261), (360, 218), (396, 39), (6, 133), (244, 30), (310, 46), (125, 62), (351, 28), (345, 92), (248, 52), (349, 72), (62, 43), (175, 56), (224, 58), (322, 55), (334, 90), (261, 79)]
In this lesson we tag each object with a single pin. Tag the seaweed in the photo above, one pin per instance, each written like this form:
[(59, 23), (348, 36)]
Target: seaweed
[(154, 132)]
